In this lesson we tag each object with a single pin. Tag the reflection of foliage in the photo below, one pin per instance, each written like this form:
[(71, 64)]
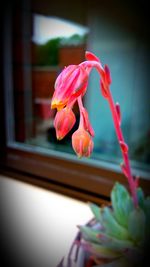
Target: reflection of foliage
[(75, 39), (47, 54)]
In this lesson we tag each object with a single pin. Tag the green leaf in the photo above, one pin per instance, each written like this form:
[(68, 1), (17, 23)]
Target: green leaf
[(147, 213), (100, 237), (90, 234), (104, 252), (113, 228), (140, 196), (96, 211), (147, 207), (121, 262), (122, 204), (136, 224), (114, 243)]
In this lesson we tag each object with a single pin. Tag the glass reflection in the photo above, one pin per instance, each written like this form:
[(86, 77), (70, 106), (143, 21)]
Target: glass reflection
[(54, 42)]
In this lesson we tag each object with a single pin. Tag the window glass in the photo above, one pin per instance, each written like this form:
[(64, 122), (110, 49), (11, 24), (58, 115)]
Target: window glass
[(126, 53), (48, 37), (56, 43)]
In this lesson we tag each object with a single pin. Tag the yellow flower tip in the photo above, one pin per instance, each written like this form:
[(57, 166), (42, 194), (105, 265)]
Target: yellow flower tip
[(59, 138), (57, 104), (53, 104)]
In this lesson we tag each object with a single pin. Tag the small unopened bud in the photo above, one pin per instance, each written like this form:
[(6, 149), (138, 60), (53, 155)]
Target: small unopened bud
[(104, 91), (82, 143), (63, 122), (118, 112), (90, 56), (124, 147), (107, 75)]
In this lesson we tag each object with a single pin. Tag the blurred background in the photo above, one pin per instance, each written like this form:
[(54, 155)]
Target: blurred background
[(46, 36), (38, 39)]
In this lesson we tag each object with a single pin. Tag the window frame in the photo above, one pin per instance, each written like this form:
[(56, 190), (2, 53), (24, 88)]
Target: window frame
[(55, 172)]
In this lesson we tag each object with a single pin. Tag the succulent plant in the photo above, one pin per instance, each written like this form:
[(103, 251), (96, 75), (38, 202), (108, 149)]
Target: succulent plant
[(121, 231)]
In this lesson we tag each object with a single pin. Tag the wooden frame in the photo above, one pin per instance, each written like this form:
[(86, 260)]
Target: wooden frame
[(66, 176)]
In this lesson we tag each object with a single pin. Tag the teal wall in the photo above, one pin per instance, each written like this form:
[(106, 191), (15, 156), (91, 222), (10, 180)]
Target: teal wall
[(127, 57)]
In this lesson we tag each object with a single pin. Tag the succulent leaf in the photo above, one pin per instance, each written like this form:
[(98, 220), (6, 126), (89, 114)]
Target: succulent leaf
[(136, 224), (122, 204), (147, 213), (121, 262), (115, 243), (101, 237), (104, 252), (90, 234), (112, 226), (141, 198), (96, 211), (147, 207), (121, 231)]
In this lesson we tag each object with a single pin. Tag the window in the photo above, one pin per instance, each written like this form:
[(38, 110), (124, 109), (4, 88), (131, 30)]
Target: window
[(40, 38)]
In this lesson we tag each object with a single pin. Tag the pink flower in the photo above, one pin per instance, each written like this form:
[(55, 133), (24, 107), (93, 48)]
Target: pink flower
[(63, 122), (69, 85), (82, 143)]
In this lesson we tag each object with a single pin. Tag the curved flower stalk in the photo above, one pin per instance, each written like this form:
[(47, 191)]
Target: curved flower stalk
[(70, 87)]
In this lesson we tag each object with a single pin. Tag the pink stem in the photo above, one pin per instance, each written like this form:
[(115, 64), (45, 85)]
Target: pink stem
[(80, 104), (124, 155), (119, 133)]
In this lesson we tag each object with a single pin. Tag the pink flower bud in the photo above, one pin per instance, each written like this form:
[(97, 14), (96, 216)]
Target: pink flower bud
[(70, 83), (63, 122), (82, 143)]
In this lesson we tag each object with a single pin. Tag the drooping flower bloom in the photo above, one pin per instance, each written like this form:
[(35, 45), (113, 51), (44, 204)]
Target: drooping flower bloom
[(63, 122), (69, 85), (82, 143)]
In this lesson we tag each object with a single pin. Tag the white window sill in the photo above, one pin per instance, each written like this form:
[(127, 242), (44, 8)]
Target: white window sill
[(38, 225)]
